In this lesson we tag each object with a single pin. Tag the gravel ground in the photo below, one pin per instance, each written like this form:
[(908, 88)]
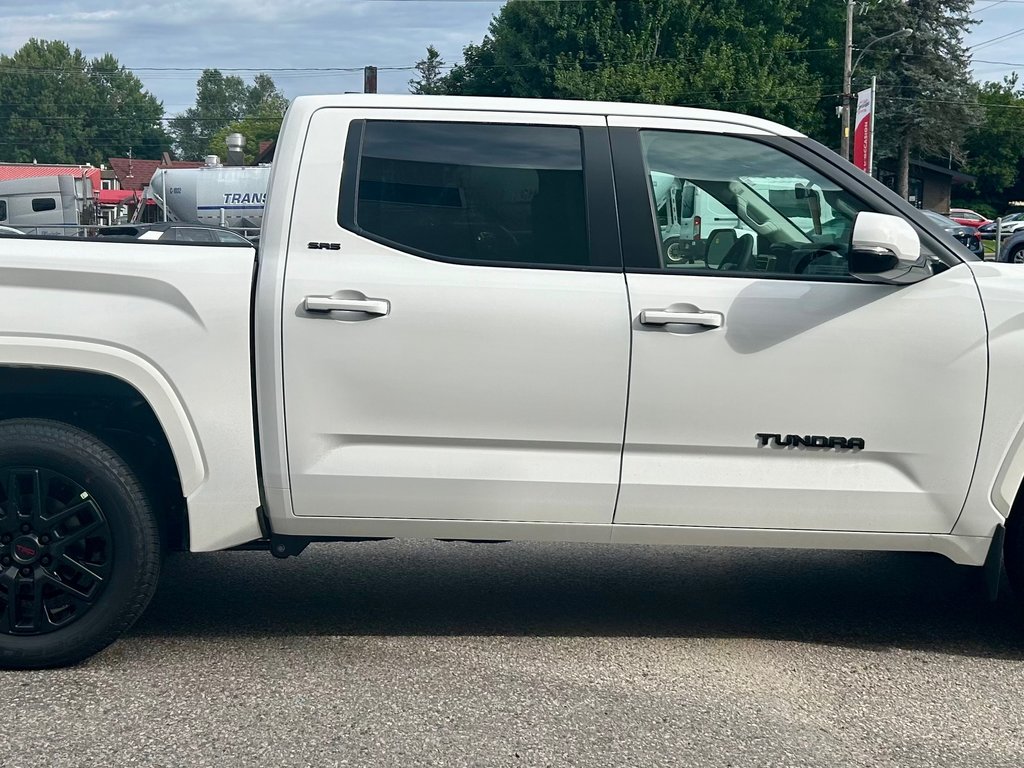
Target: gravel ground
[(429, 654)]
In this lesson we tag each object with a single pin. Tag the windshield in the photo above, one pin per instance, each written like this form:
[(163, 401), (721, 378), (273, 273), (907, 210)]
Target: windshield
[(938, 218)]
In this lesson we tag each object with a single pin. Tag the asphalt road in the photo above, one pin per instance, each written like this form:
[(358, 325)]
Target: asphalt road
[(429, 654)]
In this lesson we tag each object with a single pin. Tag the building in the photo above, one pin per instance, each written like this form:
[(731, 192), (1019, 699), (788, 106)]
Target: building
[(130, 177), (931, 185)]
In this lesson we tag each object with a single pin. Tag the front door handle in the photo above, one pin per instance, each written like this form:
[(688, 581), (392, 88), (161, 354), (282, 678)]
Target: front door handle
[(669, 317), (332, 304)]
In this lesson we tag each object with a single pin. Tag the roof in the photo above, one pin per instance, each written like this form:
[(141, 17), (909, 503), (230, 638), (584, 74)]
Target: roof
[(117, 196), (955, 176), (303, 106), (266, 153), (133, 173), (11, 171)]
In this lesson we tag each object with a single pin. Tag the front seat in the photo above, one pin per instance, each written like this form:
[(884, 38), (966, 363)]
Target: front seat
[(740, 254), (720, 242)]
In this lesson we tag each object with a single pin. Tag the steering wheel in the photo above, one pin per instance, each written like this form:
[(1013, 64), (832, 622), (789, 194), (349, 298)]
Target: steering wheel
[(809, 258), (496, 238)]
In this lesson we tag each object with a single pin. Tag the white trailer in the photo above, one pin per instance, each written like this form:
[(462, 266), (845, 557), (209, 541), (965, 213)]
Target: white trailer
[(225, 196)]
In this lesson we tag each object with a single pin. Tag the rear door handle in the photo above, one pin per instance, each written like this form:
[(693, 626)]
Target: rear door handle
[(668, 317), (331, 304)]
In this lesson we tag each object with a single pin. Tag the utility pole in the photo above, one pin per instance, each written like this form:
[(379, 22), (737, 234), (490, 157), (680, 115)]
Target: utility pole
[(847, 80), (369, 79)]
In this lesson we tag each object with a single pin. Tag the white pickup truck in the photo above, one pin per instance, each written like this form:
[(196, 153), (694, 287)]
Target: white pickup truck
[(462, 324)]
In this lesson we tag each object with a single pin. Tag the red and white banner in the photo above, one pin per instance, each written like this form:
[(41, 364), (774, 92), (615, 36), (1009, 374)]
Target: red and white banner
[(862, 133)]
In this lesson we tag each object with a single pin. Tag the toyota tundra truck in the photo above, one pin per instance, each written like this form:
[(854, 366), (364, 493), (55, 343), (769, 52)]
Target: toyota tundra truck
[(462, 323)]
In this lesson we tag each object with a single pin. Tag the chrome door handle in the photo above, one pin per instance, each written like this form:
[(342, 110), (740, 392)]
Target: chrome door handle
[(330, 304), (668, 317)]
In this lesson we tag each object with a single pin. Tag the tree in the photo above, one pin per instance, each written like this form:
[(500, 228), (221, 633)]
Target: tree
[(257, 128), (429, 70), (926, 99), (222, 102), (265, 106), (741, 56), (56, 106), (995, 147)]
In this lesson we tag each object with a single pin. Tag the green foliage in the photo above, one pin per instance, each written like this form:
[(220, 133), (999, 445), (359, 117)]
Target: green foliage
[(995, 147), (56, 106), (264, 109), (926, 98), (225, 104), (429, 70), (735, 55)]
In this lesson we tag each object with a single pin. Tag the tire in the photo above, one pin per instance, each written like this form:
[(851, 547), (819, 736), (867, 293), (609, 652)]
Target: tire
[(1016, 256), (79, 545), (670, 247)]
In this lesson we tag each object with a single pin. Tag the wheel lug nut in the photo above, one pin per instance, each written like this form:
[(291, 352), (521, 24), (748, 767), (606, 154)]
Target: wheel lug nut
[(26, 571), (5, 560), (44, 539), (46, 560), (5, 539), (26, 528)]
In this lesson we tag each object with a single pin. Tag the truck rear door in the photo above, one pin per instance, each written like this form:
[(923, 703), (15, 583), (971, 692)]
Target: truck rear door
[(455, 321)]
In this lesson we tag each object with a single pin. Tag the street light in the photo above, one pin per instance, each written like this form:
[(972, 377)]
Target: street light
[(849, 66), (898, 33)]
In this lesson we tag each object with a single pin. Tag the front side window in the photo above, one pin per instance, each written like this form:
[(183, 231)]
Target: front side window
[(724, 204), (473, 192)]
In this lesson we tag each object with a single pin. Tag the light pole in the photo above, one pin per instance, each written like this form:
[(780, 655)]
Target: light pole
[(849, 66), (844, 141)]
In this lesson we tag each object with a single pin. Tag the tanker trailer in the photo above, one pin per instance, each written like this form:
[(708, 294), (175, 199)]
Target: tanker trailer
[(226, 196)]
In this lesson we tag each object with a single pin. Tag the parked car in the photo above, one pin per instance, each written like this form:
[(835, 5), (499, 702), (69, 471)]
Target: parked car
[(176, 231), (1011, 223), (5, 230), (1012, 250), (966, 235), (968, 218), (463, 325)]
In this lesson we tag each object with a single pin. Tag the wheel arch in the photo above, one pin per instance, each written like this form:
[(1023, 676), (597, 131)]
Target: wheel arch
[(123, 400)]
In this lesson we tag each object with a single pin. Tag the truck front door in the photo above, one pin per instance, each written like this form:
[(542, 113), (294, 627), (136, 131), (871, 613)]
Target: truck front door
[(455, 321), (768, 388)]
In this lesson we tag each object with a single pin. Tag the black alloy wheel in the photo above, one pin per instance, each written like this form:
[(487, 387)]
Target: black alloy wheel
[(56, 551), (79, 545)]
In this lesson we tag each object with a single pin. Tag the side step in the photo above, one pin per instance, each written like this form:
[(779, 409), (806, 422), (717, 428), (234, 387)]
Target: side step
[(282, 546)]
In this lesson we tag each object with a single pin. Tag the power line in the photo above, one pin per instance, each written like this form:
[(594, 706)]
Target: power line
[(987, 7), (1001, 38)]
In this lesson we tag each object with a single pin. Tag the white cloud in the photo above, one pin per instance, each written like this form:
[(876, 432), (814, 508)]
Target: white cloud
[(159, 37)]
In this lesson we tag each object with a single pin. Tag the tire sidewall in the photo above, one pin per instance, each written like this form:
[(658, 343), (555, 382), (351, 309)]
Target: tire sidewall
[(98, 470)]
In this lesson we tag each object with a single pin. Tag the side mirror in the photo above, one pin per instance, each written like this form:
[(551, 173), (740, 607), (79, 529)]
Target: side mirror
[(886, 249)]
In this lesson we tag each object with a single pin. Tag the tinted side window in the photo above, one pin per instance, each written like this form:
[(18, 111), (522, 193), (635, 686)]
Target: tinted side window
[(3, 210), (725, 204), (194, 236), (40, 204), (505, 194), (230, 237)]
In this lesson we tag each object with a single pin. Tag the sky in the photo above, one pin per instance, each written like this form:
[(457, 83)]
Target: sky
[(167, 43)]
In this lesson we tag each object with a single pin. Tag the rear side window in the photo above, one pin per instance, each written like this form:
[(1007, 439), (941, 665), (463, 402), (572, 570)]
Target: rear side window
[(481, 193), (194, 236), (3, 210), (41, 204), (230, 237)]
